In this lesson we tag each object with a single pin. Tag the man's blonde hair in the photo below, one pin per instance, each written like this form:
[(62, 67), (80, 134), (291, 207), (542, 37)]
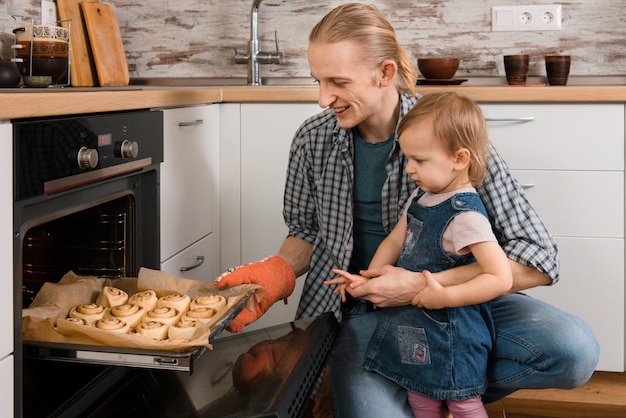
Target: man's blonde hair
[(458, 123), (368, 28)]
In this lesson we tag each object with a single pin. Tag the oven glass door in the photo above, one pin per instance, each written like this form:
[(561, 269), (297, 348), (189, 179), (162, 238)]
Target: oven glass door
[(107, 229)]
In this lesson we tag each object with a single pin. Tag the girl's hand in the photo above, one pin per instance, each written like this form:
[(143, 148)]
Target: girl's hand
[(344, 281), (433, 296)]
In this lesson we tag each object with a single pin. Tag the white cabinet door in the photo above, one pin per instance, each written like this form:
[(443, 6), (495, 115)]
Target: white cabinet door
[(266, 134), (6, 263), (190, 181), (558, 136), (6, 243), (570, 160), (562, 200), (592, 287), (6, 387)]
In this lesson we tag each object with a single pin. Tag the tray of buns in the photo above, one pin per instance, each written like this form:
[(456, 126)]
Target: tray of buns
[(153, 321)]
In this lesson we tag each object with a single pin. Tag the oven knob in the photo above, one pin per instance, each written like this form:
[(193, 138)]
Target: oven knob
[(127, 149), (87, 158)]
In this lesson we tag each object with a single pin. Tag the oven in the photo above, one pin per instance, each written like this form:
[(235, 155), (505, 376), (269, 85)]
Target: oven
[(86, 199)]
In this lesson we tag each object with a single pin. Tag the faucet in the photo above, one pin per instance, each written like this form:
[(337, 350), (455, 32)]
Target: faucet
[(253, 57)]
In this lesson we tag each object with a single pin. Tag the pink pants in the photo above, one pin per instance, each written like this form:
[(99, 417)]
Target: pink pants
[(424, 407)]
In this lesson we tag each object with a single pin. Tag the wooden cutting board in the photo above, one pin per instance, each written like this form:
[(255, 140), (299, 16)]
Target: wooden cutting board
[(106, 44), (82, 66)]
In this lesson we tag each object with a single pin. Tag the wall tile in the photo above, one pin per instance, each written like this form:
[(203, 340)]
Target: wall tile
[(197, 38)]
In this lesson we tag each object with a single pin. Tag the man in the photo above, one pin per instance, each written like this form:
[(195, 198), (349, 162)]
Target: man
[(345, 190)]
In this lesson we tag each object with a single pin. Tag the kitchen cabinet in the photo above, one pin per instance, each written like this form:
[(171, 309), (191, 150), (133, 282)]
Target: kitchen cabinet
[(255, 141), (6, 261), (570, 160), (190, 177), (558, 152), (6, 387), (6, 245)]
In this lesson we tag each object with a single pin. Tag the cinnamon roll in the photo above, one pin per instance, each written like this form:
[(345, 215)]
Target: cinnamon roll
[(146, 299), (152, 329), (128, 312), (113, 325), (216, 302), (164, 314), (183, 329), (90, 312), (177, 301), (199, 314), (111, 296), (79, 321)]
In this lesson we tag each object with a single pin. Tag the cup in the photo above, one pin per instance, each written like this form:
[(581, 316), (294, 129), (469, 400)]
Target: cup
[(557, 69), (516, 68)]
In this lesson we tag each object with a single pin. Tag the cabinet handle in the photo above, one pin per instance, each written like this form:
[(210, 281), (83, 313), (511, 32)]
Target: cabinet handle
[(528, 186), (194, 123), (199, 262), (520, 119)]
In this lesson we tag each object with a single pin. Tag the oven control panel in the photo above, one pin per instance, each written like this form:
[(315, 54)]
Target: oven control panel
[(55, 154)]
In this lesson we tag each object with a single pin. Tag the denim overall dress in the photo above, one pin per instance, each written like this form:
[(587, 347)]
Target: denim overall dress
[(440, 353)]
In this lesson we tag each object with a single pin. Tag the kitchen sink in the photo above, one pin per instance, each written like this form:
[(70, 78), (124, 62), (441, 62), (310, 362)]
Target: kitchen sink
[(219, 81)]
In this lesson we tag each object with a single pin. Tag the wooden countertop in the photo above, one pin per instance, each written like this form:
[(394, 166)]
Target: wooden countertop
[(27, 103), (483, 94)]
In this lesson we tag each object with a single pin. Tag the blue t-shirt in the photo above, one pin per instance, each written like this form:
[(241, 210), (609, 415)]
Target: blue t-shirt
[(369, 177)]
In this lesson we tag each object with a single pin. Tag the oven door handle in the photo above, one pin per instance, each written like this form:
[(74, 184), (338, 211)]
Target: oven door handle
[(198, 263)]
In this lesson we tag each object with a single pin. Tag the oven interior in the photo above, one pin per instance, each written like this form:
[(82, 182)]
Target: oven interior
[(92, 242)]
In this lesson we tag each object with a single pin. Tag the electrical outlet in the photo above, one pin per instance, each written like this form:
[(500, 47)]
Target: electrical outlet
[(536, 17)]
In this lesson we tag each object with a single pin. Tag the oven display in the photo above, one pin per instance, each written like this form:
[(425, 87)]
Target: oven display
[(105, 140)]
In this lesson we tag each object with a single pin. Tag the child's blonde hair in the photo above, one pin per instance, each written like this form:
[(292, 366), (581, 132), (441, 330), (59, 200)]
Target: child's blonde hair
[(366, 26), (458, 123)]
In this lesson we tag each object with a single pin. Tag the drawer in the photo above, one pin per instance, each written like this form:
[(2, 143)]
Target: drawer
[(592, 287), (558, 136), (577, 203), (201, 254)]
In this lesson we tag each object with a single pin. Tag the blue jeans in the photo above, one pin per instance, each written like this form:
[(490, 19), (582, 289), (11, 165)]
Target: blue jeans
[(537, 346)]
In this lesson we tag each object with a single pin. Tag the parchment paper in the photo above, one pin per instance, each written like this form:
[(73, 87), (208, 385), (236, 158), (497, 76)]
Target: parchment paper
[(44, 320)]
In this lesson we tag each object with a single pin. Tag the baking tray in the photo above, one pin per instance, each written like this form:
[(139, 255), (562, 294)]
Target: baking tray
[(130, 357)]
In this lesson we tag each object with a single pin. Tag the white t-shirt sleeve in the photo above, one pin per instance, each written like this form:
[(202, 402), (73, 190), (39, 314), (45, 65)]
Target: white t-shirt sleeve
[(465, 229)]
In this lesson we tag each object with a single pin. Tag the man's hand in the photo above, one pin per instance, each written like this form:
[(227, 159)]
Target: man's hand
[(388, 286), (273, 273)]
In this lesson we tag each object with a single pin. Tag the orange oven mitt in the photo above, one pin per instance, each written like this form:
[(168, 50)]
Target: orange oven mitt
[(273, 273)]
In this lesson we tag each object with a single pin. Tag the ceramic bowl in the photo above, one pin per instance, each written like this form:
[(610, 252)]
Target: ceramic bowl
[(40, 81), (28, 32), (438, 68)]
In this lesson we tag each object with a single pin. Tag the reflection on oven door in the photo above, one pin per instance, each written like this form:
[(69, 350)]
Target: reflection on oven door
[(269, 372)]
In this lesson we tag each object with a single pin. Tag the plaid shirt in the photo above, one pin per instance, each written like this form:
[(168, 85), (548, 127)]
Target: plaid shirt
[(318, 206)]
